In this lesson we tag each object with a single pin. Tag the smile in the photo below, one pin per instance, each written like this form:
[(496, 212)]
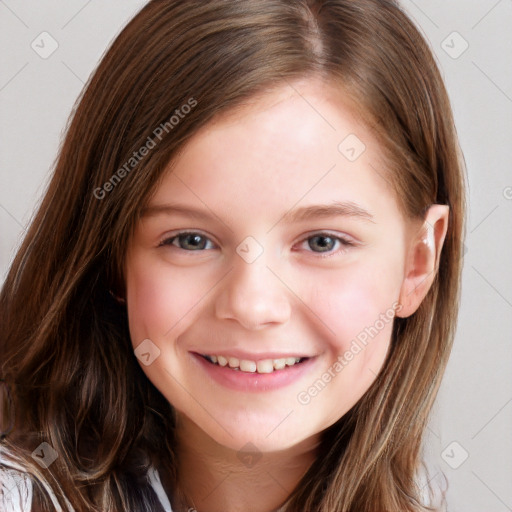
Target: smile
[(248, 366)]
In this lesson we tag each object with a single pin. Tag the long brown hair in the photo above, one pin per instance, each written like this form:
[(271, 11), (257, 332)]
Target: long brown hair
[(65, 347)]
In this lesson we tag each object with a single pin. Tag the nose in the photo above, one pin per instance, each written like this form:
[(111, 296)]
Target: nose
[(253, 295)]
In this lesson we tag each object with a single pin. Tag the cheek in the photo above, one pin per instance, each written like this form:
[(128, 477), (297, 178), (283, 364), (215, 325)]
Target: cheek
[(351, 300), (158, 300), (357, 304)]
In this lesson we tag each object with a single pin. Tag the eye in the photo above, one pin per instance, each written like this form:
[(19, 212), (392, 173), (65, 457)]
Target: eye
[(320, 243), (188, 241), (324, 243)]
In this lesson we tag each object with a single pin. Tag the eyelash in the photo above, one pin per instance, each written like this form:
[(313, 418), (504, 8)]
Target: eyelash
[(344, 242)]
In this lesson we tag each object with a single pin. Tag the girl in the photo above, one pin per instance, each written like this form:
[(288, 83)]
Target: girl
[(241, 288)]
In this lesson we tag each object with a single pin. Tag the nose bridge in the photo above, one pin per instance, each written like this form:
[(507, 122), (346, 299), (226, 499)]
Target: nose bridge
[(252, 294)]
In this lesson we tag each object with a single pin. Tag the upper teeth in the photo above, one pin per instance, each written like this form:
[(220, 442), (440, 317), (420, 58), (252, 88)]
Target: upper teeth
[(262, 366)]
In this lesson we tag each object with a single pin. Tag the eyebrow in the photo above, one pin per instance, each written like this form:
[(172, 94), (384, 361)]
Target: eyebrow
[(335, 209)]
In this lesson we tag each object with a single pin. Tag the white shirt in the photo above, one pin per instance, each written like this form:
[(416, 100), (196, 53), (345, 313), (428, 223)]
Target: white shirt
[(16, 491)]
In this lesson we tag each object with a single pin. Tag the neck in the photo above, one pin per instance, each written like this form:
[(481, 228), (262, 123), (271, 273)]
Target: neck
[(213, 478)]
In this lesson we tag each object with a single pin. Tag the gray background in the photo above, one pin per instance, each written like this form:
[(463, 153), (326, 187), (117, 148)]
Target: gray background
[(469, 437)]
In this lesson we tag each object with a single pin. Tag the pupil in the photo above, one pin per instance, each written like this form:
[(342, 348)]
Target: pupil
[(326, 242), (193, 240)]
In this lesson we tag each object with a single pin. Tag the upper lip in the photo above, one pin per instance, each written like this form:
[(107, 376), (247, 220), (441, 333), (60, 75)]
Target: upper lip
[(241, 354)]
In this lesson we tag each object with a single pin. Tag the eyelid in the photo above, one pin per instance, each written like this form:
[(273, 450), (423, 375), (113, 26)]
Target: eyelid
[(169, 236), (345, 241), (333, 234)]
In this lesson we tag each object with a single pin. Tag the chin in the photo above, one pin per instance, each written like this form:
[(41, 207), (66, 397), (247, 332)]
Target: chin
[(264, 437)]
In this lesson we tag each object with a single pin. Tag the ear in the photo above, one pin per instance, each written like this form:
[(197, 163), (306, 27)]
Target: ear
[(422, 261)]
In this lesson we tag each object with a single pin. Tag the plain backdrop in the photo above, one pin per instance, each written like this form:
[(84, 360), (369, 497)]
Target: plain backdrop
[(470, 437)]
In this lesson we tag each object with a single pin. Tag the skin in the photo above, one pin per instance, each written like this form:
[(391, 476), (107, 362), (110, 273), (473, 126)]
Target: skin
[(246, 170)]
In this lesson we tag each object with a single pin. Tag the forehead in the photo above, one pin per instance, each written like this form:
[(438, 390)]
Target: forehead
[(298, 143)]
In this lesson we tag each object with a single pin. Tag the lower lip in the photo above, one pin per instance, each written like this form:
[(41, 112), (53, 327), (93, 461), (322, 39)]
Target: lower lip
[(254, 382)]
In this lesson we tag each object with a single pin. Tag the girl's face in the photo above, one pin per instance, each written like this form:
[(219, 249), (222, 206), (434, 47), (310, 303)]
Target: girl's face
[(275, 237)]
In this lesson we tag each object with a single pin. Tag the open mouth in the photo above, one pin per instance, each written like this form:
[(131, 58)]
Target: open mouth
[(247, 366)]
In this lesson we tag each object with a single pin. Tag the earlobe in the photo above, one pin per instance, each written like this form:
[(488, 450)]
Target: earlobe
[(423, 257)]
